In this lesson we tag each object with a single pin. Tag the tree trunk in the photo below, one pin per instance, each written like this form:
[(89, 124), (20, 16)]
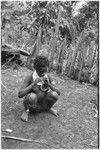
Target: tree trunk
[(6, 33), (82, 61), (69, 59), (61, 56), (58, 70), (35, 50), (81, 67), (77, 47), (94, 54), (38, 41), (31, 57), (54, 38), (90, 54), (73, 61), (78, 60)]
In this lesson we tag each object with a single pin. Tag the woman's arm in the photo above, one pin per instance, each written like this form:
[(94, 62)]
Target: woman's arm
[(26, 87), (53, 88), (52, 85)]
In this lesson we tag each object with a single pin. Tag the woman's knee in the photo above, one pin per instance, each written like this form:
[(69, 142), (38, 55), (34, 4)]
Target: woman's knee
[(40, 95), (31, 98), (54, 95)]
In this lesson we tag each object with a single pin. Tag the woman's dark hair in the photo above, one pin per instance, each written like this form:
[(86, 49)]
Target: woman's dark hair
[(41, 61)]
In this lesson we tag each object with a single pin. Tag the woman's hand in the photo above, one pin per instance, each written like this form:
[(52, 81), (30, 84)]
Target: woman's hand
[(46, 81), (37, 81)]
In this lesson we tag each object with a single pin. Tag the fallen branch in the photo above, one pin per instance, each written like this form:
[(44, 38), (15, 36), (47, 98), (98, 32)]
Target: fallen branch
[(4, 86), (22, 139), (17, 138), (8, 61), (24, 53)]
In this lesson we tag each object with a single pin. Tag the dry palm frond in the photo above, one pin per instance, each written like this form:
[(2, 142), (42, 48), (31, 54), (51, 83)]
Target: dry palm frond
[(71, 28), (78, 47)]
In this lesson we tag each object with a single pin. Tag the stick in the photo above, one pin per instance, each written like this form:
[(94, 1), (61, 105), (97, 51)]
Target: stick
[(22, 139), (23, 52), (4, 86), (17, 138), (8, 61)]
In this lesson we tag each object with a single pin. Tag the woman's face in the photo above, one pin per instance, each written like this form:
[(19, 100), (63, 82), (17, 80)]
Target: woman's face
[(42, 71)]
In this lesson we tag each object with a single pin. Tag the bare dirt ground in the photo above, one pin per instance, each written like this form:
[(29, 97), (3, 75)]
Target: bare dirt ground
[(75, 128)]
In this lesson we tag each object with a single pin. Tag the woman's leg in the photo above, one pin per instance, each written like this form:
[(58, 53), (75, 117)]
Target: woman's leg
[(51, 99), (29, 101)]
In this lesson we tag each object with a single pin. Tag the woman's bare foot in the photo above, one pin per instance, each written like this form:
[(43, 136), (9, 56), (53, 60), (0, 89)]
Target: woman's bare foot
[(24, 116), (53, 112)]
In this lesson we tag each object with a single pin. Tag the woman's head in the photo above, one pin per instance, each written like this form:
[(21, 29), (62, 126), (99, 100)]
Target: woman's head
[(41, 63)]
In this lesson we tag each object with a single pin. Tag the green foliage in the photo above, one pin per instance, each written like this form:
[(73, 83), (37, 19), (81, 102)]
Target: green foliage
[(51, 23), (91, 10), (88, 12)]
